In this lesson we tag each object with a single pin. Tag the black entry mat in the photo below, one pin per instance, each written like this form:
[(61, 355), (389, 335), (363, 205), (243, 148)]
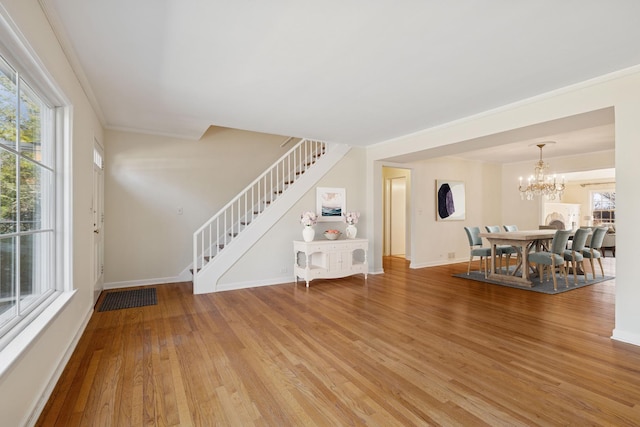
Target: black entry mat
[(129, 299)]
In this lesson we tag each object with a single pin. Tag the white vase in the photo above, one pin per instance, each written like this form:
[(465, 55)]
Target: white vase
[(351, 231), (308, 233)]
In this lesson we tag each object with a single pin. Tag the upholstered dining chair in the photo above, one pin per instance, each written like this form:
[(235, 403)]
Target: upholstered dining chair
[(594, 251), (510, 227), (574, 255), (476, 249), (501, 249), (554, 258)]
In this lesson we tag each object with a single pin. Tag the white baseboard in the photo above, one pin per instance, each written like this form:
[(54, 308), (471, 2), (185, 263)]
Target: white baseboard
[(254, 283), (258, 283), (57, 373), (437, 263), (143, 282), (219, 288), (628, 337)]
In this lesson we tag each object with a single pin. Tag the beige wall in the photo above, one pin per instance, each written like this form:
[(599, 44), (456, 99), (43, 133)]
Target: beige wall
[(23, 386), (270, 260), (149, 178), (434, 241)]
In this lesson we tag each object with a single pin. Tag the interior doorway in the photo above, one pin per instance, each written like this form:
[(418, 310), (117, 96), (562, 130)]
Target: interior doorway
[(397, 184)]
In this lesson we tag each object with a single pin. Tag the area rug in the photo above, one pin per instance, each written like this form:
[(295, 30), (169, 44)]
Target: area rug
[(118, 300), (545, 287)]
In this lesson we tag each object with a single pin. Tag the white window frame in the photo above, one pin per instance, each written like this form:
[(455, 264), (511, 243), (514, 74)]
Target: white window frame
[(611, 221), (16, 50)]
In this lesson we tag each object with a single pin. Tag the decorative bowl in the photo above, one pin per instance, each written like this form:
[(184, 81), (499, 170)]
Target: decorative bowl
[(332, 234)]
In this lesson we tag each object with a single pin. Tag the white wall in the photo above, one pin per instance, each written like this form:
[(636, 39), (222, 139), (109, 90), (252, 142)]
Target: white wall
[(148, 178), (618, 90), (23, 385), (270, 260)]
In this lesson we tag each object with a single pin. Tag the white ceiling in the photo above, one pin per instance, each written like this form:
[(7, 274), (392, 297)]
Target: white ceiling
[(358, 72)]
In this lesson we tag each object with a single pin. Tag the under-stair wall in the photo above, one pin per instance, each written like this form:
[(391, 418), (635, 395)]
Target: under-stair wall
[(241, 233)]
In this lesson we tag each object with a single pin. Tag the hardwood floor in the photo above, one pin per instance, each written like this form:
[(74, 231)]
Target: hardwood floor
[(410, 347)]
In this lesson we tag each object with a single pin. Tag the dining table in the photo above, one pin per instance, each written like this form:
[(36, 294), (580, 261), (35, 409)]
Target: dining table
[(524, 241)]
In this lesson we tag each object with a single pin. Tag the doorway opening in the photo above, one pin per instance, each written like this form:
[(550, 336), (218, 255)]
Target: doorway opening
[(397, 184)]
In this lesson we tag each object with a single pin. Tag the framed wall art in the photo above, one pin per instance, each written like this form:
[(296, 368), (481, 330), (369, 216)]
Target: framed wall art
[(330, 203), (450, 200)]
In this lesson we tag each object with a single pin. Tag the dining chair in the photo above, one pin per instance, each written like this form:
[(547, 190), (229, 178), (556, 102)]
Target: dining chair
[(476, 249), (593, 251), (574, 255), (501, 249), (510, 227), (553, 258)]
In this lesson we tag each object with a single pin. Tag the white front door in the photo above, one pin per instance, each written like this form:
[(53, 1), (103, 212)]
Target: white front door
[(98, 220)]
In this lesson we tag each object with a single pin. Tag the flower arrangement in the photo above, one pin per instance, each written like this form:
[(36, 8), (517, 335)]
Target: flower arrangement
[(351, 218), (308, 218)]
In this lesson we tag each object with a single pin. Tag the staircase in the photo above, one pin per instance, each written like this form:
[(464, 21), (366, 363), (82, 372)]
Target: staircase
[(223, 239)]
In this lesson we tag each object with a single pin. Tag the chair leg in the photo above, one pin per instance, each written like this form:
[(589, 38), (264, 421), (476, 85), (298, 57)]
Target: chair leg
[(469, 266), (586, 276), (601, 269), (553, 275), (574, 265), (564, 273), (593, 270)]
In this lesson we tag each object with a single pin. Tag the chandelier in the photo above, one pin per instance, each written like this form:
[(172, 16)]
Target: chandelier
[(540, 185)]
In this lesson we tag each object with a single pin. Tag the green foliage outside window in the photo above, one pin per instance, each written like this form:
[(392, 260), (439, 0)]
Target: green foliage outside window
[(20, 186)]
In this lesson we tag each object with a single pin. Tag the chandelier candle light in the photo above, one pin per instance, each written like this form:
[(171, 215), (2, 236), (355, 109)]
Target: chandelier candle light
[(538, 184)]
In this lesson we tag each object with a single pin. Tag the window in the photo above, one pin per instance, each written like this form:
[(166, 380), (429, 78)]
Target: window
[(27, 207), (35, 187), (603, 206)]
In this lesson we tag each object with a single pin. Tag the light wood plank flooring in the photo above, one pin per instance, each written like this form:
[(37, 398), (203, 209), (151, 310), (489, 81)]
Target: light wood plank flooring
[(410, 347)]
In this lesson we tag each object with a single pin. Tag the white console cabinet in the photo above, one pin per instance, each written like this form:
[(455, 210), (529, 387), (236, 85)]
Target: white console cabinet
[(329, 259)]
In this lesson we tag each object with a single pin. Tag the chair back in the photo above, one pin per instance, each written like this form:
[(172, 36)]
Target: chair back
[(597, 238), (580, 239), (473, 236), (492, 228), (510, 228), (559, 242)]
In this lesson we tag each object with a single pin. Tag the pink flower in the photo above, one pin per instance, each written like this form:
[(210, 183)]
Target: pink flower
[(351, 217), (308, 218)]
